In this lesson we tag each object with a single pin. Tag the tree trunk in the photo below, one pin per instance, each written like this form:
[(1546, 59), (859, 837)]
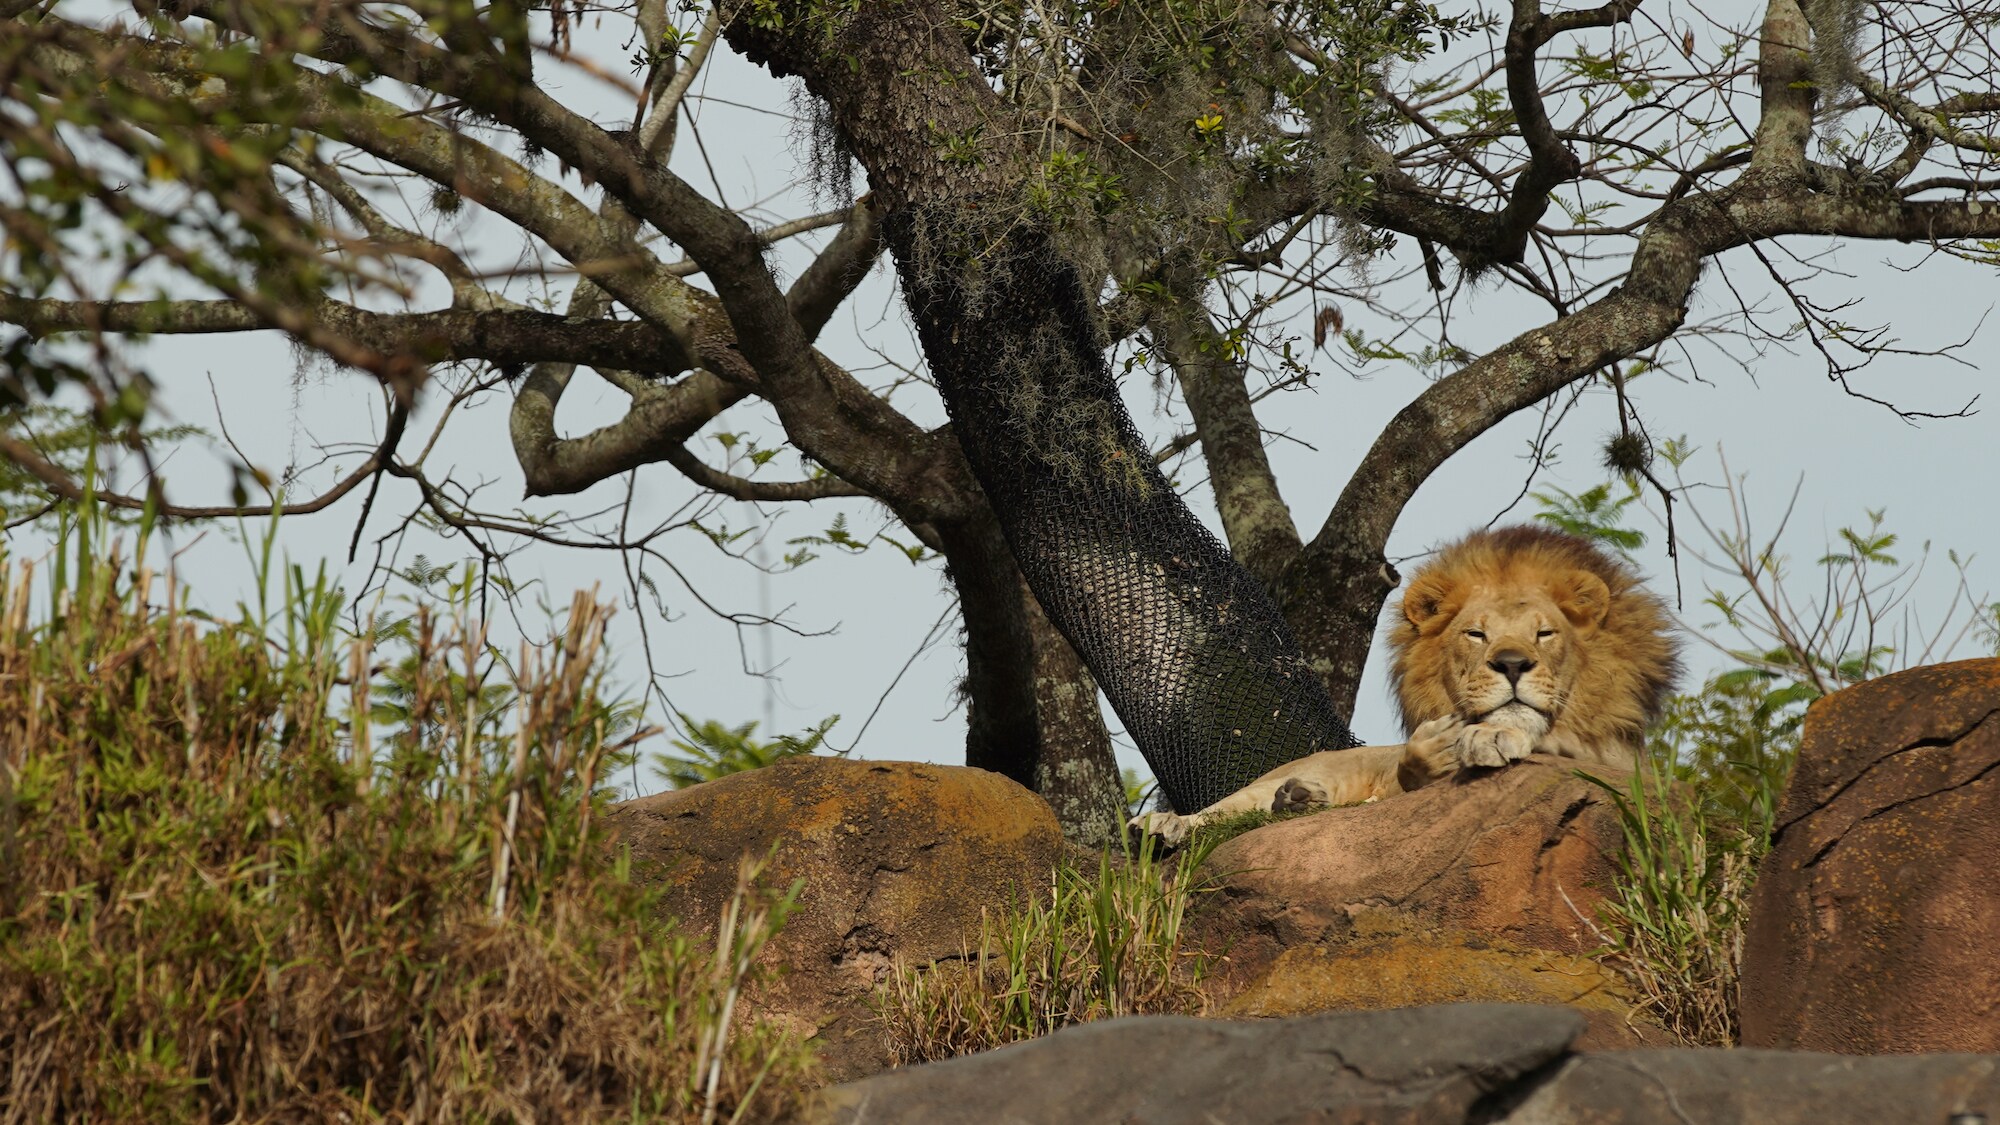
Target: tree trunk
[(1031, 704), (1188, 647), (1332, 595)]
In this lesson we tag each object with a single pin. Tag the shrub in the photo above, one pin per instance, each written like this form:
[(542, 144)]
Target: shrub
[(223, 897), (713, 750), (1096, 945)]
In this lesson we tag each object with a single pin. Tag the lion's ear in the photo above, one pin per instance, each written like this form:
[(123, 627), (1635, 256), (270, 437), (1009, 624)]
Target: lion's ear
[(1584, 598), (1428, 599)]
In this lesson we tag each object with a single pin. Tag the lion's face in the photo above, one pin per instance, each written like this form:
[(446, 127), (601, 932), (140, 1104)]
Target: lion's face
[(1521, 628), (1508, 656)]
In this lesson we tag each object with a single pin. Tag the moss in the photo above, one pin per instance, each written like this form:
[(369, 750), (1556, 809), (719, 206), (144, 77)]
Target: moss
[(1217, 832)]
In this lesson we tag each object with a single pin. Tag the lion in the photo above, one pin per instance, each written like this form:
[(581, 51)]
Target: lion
[(1508, 642)]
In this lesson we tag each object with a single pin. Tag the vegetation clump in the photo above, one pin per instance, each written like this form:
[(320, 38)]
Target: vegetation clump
[(1097, 944), (253, 869), (1699, 813)]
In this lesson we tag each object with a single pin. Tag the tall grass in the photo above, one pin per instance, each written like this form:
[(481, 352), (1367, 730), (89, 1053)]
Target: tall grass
[(1673, 919), (1097, 944), (253, 870)]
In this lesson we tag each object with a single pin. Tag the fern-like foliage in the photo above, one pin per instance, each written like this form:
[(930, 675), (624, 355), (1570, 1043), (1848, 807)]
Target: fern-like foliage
[(713, 750)]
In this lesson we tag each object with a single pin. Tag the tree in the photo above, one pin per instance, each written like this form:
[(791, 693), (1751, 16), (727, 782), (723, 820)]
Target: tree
[(1055, 181)]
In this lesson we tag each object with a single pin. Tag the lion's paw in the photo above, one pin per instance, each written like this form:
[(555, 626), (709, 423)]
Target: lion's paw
[(1436, 744), (1430, 754), (1297, 794), (1490, 746), (1169, 828)]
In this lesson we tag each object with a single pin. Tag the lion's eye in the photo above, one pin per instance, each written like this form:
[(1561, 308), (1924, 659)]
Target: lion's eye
[(1545, 634), (1475, 634)]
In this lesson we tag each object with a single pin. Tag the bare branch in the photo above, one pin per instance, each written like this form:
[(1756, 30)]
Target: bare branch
[(1255, 519), (1937, 122), (670, 98), (839, 269), (743, 488), (656, 423), (775, 234), (1550, 162), (506, 337), (59, 482)]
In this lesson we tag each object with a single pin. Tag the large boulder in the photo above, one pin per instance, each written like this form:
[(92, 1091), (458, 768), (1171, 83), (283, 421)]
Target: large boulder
[(1416, 1066), (1481, 888), (899, 860), (1875, 925), (1450, 1065)]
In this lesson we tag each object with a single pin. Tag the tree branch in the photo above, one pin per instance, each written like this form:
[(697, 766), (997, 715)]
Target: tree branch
[(1784, 72), (742, 488), (1255, 519), (59, 482), (839, 269), (1937, 122), (747, 333), (1334, 590), (504, 337), (1550, 162)]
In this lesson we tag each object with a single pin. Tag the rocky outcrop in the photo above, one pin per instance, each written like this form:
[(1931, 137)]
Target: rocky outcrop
[(1481, 888), (898, 860), (1875, 925), (1449, 1065)]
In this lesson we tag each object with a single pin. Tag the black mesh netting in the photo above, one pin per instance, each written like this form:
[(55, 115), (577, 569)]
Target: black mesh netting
[(1192, 653)]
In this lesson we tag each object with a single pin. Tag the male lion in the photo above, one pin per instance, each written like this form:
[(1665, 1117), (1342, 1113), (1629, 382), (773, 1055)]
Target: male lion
[(1506, 643)]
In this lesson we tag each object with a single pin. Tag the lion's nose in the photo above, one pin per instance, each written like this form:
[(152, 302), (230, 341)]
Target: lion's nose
[(1512, 665)]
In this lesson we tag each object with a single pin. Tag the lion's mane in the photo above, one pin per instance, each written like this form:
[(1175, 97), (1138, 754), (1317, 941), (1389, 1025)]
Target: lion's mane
[(1628, 663)]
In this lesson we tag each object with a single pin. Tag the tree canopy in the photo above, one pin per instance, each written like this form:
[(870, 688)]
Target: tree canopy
[(1071, 191)]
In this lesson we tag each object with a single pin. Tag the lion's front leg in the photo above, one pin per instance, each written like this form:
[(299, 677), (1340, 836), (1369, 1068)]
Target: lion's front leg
[(1173, 829), (1442, 747), (1431, 754)]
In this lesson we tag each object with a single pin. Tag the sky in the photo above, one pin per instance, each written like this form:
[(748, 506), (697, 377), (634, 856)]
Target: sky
[(877, 639)]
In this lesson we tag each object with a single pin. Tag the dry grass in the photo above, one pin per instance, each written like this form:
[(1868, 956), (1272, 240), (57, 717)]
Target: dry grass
[(232, 888), (1098, 944), (1674, 917)]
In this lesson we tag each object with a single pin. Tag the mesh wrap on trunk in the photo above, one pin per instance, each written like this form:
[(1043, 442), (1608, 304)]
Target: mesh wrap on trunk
[(1190, 650)]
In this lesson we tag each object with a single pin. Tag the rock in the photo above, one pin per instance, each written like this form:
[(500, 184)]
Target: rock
[(1416, 1066), (1875, 924), (1458, 1064), (1734, 1087), (1479, 888), (899, 860), (1373, 974)]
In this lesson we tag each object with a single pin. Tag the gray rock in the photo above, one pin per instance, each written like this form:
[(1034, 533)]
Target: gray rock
[(1765, 1088), (1413, 1066), (1456, 1064)]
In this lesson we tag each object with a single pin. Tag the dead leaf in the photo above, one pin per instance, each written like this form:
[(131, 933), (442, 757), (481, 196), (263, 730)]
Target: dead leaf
[(1328, 320)]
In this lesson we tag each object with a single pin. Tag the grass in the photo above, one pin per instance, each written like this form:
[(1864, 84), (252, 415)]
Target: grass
[(1221, 830), (1097, 944), (255, 870), (1673, 920)]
